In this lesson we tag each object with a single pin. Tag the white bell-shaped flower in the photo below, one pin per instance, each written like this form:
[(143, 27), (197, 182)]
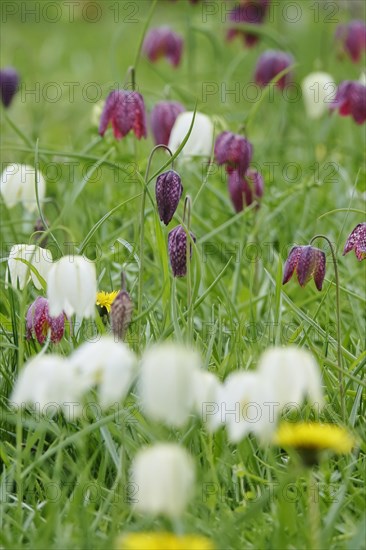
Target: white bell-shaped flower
[(206, 398), (20, 273), (164, 477), (318, 90), (166, 384), (72, 287), (107, 364), (18, 184), (200, 140)]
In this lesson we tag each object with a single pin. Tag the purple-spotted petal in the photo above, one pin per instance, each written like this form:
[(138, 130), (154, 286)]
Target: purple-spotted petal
[(162, 119), (168, 192), (177, 246), (319, 269), (291, 263), (357, 242)]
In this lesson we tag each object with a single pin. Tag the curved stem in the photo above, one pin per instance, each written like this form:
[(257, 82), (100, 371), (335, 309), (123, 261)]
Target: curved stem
[(142, 220), (338, 314), (187, 216)]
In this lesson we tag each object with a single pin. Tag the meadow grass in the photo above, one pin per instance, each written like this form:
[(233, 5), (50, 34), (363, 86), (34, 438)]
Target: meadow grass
[(65, 484)]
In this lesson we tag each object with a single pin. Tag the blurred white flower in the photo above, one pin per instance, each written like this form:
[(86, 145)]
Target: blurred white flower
[(164, 477), (107, 364), (292, 375), (167, 383), (97, 112), (47, 381), (206, 395), (18, 184), (200, 140), (72, 287), (318, 91), (245, 406), (19, 272)]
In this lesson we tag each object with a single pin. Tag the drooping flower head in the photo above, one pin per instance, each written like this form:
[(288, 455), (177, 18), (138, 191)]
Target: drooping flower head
[(351, 38), (250, 12), (233, 150), (121, 314), (177, 246), (270, 64), (125, 110), (163, 42), (168, 191), (316, 90), (351, 100), (18, 184), (308, 262), (39, 322), (162, 119), (9, 80), (200, 140), (20, 273), (357, 241), (245, 188)]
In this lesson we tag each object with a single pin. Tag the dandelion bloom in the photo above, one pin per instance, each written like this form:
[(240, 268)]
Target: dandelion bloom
[(39, 322), (164, 476), (350, 99), (162, 119), (106, 299), (311, 438), (352, 38), (357, 241), (269, 65), (162, 541), (9, 81), (308, 262), (125, 110), (251, 12), (168, 191), (163, 42)]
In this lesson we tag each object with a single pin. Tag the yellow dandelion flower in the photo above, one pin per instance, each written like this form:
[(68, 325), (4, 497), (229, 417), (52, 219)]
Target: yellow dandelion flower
[(106, 299), (311, 436), (162, 541)]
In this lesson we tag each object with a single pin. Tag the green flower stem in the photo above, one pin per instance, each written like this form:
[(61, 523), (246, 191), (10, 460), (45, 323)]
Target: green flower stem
[(187, 215), (338, 315), (142, 221), (313, 513)]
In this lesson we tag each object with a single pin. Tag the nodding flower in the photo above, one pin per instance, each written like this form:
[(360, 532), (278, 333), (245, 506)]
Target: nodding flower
[(233, 150), (357, 241), (250, 12), (351, 38), (350, 99), (163, 42), (168, 191), (162, 119), (269, 65), (125, 110), (9, 81), (39, 322), (308, 262)]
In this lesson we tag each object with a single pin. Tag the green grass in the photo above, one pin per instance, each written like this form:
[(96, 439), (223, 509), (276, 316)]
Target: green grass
[(66, 485)]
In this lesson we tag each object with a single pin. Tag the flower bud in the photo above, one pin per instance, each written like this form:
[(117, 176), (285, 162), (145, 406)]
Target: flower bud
[(177, 246), (162, 119), (168, 192), (121, 313), (9, 80)]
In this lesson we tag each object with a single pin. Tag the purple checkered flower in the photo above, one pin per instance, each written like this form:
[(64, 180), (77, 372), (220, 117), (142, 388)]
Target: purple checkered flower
[(234, 151), (125, 110), (351, 100), (269, 65), (357, 242), (177, 247), (9, 80), (162, 119), (352, 39), (245, 188), (308, 262), (251, 12), (163, 42), (39, 321), (168, 191)]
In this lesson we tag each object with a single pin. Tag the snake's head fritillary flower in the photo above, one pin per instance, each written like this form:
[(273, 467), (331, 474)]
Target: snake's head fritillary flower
[(351, 100), (251, 12), (121, 314), (164, 475), (18, 184), (233, 150), (39, 322), (168, 191), (177, 246), (308, 262), (317, 90), (357, 242), (162, 119), (352, 38), (163, 42), (199, 143), (269, 65), (247, 188), (72, 287), (9, 81), (125, 110), (40, 259)]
